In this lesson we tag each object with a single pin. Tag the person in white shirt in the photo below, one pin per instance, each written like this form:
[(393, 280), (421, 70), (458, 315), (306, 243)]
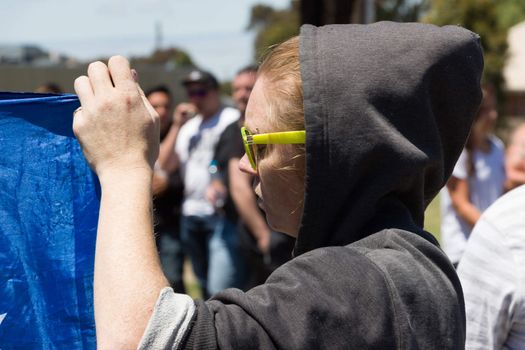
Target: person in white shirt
[(209, 238), (492, 274), (476, 182)]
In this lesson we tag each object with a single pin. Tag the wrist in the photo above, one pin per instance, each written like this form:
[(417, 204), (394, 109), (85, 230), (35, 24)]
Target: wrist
[(115, 177)]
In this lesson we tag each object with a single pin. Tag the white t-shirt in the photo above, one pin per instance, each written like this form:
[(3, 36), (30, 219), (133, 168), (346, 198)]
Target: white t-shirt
[(195, 147), (485, 186)]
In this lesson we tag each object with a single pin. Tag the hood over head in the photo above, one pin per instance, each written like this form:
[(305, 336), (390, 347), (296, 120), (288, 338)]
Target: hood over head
[(388, 107)]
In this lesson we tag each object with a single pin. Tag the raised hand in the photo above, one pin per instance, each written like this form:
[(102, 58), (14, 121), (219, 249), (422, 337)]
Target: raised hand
[(116, 126)]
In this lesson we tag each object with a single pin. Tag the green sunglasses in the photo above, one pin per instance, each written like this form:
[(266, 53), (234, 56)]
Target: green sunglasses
[(274, 138)]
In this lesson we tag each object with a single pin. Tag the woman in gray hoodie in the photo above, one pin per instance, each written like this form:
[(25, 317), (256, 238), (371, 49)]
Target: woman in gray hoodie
[(378, 114)]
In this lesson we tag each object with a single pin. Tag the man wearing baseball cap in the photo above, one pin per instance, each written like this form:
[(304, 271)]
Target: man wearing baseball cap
[(209, 238)]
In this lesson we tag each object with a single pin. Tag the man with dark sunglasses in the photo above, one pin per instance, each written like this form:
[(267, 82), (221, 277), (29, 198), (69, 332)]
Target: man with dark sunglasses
[(208, 237), (202, 89)]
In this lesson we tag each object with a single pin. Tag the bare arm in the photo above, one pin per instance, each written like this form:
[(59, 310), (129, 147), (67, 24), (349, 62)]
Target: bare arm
[(515, 178), (162, 174), (167, 148), (128, 277), (459, 195), (118, 132), (160, 181), (245, 202), (515, 166)]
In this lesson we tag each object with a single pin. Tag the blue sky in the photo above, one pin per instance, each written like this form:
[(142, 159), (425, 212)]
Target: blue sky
[(212, 31)]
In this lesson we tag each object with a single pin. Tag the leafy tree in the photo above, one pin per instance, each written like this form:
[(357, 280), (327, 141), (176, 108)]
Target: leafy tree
[(491, 19), (172, 55), (273, 26), (226, 88), (401, 10)]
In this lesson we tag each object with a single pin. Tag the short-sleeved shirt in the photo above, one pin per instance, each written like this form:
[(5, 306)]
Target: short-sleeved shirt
[(195, 147), (230, 146), (485, 186)]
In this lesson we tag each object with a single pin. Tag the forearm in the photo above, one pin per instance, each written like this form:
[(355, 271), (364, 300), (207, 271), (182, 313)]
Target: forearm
[(515, 178), (459, 191), (245, 201), (128, 276), (167, 147), (468, 212), (160, 181), (249, 212)]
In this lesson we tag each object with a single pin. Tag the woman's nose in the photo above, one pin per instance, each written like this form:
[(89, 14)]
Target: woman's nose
[(245, 166)]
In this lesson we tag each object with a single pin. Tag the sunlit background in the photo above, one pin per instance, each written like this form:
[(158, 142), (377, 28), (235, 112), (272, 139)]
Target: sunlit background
[(214, 33)]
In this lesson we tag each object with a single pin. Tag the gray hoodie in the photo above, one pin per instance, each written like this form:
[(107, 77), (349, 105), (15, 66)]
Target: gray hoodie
[(388, 107)]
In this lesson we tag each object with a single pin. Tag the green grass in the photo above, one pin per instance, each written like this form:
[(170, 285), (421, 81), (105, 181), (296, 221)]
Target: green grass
[(190, 281), (433, 218)]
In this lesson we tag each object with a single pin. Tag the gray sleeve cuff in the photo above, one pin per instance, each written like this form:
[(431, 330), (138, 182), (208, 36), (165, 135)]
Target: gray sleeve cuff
[(169, 321)]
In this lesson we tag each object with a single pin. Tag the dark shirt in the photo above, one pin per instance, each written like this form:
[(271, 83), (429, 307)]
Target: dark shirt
[(168, 205), (230, 146)]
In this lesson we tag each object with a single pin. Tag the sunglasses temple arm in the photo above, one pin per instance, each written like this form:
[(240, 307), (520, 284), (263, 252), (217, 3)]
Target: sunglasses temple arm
[(280, 138)]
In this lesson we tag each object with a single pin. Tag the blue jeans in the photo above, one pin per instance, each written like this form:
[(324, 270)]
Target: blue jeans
[(172, 259), (212, 242)]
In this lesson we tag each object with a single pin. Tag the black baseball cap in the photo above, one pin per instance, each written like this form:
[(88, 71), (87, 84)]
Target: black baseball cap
[(201, 77)]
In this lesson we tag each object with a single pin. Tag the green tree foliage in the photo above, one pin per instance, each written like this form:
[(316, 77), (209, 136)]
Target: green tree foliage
[(400, 10), (226, 88), (491, 19), (273, 26), (172, 55)]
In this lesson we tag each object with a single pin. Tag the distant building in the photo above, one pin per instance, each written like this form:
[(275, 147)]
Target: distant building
[(31, 55), (21, 54)]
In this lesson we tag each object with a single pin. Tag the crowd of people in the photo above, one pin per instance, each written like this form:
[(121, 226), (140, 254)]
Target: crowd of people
[(205, 207), (342, 150)]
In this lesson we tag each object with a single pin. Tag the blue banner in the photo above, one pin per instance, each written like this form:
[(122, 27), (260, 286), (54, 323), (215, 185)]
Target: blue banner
[(49, 201)]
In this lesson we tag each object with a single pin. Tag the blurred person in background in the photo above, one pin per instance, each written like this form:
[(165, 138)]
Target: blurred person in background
[(209, 237), (515, 158), (263, 248), (167, 192), (49, 87), (477, 180)]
